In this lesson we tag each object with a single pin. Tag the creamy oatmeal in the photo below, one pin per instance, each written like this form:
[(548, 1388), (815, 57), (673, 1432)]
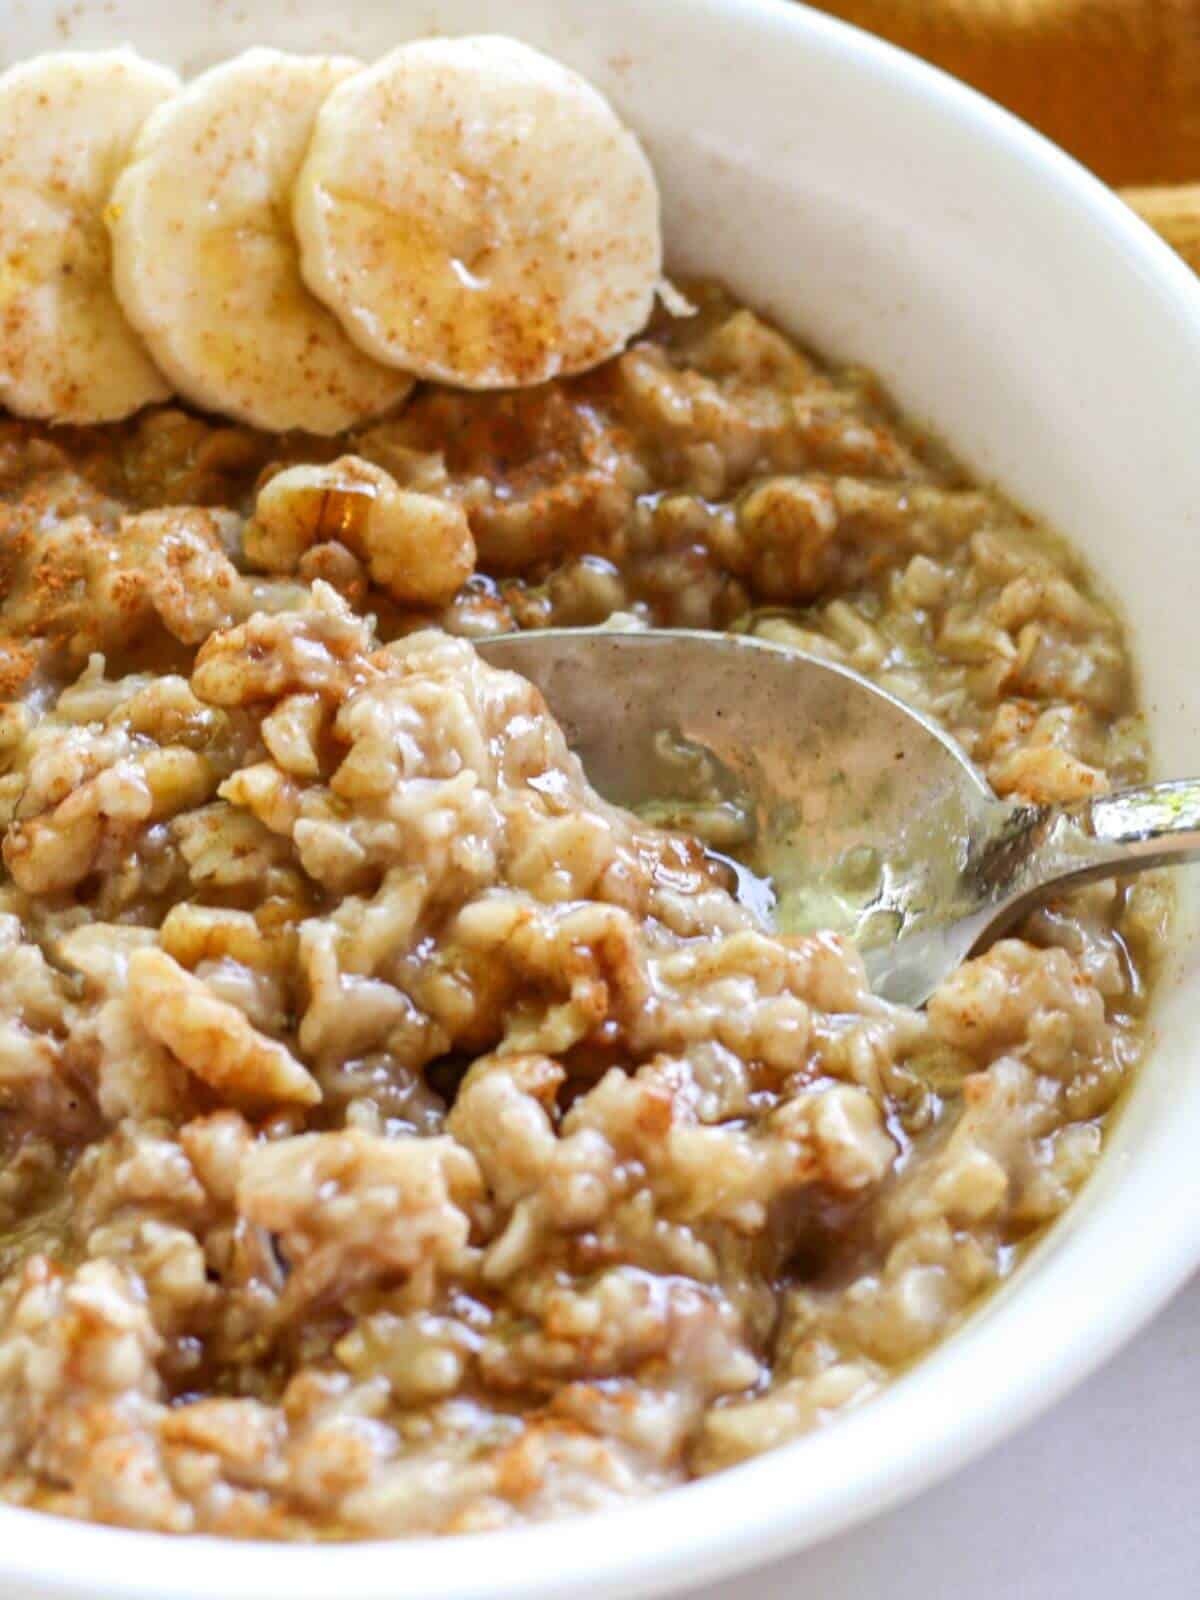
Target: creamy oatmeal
[(398, 1138)]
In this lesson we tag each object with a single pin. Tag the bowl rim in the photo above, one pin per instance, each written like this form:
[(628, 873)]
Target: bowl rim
[(744, 1517)]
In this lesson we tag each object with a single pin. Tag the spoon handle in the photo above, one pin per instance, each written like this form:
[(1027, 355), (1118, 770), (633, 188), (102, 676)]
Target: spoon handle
[(1038, 849), (1145, 827)]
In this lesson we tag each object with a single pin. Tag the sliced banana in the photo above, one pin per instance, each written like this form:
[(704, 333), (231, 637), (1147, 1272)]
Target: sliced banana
[(477, 213), (204, 261), (67, 122)]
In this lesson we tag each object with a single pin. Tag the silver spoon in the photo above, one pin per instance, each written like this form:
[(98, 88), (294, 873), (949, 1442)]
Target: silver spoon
[(837, 805)]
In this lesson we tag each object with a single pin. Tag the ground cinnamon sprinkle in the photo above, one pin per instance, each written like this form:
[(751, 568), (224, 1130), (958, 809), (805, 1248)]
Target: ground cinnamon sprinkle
[(16, 542), (17, 662)]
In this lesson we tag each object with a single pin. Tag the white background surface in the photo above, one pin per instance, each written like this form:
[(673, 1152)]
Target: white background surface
[(1098, 1500)]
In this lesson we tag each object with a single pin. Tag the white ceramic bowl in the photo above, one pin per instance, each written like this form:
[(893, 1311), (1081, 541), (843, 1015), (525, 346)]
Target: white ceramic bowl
[(885, 213)]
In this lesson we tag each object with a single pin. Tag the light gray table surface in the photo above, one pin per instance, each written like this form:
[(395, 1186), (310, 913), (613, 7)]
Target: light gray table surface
[(1098, 1500)]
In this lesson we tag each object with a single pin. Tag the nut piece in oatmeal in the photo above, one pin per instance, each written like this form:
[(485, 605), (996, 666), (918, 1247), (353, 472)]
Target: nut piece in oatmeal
[(417, 547)]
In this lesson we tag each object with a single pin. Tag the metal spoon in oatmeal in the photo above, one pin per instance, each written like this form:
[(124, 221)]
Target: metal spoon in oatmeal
[(861, 815)]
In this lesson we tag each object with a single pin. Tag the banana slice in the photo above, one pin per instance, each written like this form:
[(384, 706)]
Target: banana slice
[(204, 261), (67, 122), (476, 213)]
